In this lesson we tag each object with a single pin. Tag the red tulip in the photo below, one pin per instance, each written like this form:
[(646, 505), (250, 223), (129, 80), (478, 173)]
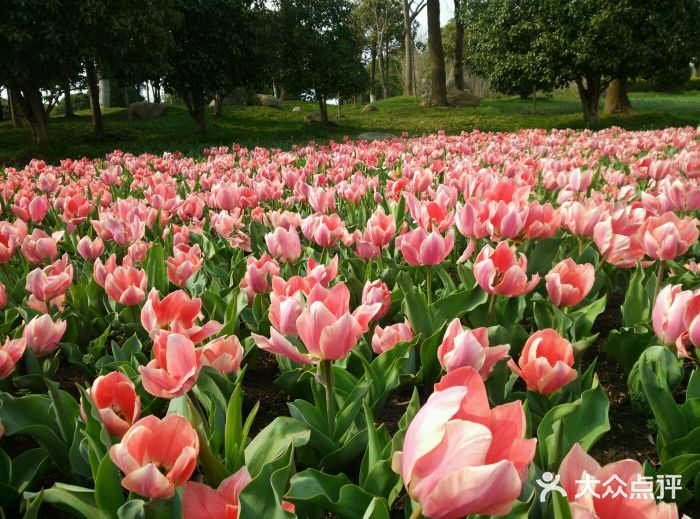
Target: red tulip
[(43, 335), (568, 283), (176, 312), (499, 271), (175, 368), (545, 362), (459, 456), (10, 353), (377, 292), (126, 285), (157, 456), (223, 354), (386, 338), (420, 248), (114, 396), (667, 236), (463, 347)]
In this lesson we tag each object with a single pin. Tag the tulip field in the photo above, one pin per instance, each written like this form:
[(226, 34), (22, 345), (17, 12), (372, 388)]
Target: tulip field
[(419, 327)]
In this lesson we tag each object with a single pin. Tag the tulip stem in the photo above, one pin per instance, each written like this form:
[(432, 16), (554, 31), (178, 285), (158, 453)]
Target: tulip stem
[(134, 314), (417, 513), (429, 280), (198, 408), (326, 367), (580, 246), (492, 307), (659, 279)]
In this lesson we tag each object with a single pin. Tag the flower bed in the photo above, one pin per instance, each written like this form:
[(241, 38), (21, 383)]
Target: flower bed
[(406, 328)]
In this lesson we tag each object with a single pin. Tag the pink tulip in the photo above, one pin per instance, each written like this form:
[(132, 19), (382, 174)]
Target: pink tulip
[(200, 501), (472, 218), (545, 362), (506, 220), (43, 335), (619, 238), (90, 249), (223, 354), (692, 319), (323, 274), (667, 236), (258, 275), (126, 285), (3, 297), (668, 315), (386, 338), (596, 500), (365, 249), (568, 283), (157, 456), (38, 247), (51, 282), (186, 263), (377, 292), (174, 370), (284, 244), (176, 312), (543, 221), (462, 347), (114, 396), (100, 270), (381, 228), (499, 271), (10, 238), (10, 353), (286, 302), (459, 456), (420, 248), (580, 219)]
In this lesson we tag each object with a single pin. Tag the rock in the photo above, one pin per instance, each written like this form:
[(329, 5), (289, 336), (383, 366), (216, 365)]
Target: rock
[(146, 110), (297, 109), (313, 117), (212, 103), (269, 101), (369, 108), (375, 136), (462, 98)]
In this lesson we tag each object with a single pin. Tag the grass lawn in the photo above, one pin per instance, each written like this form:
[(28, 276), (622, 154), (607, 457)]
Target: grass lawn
[(258, 126)]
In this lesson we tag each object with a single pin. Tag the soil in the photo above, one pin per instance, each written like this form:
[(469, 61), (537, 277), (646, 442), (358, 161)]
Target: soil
[(259, 386)]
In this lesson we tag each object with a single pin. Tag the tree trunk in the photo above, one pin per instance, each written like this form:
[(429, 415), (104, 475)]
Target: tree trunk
[(2, 111), (458, 74), (373, 73), (323, 109), (382, 72), (589, 93), (14, 108), (126, 103), (68, 102), (30, 101), (218, 105), (98, 127), (407, 51), (438, 94), (194, 101), (616, 100), (156, 91)]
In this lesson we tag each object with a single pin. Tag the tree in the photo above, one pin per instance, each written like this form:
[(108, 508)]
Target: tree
[(411, 9), (438, 90), (215, 49), (320, 49), (458, 55), (40, 48)]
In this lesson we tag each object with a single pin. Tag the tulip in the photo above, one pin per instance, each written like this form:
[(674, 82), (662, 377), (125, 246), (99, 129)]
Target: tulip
[(692, 319), (176, 312), (38, 247), (543, 221), (186, 263), (666, 237), (420, 248), (90, 249), (138, 250), (506, 220), (100, 270), (596, 501), (51, 282), (377, 292), (3, 297), (258, 274), (10, 238), (463, 347), (459, 456), (175, 368), (568, 283), (545, 362), (284, 244), (286, 302), (223, 354), (381, 228), (157, 456), (126, 285), (43, 335), (10, 353), (472, 219), (200, 501), (365, 249), (386, 338), (500, 272), (668, 315), (114, 396), (323, 274)]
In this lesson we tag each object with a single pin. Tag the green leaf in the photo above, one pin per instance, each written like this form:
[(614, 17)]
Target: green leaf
[(415, 306), (635, 309), (132, 509), (456, 305), (234, 429), (155, 268), (693, 390), (262, 497), (108, 490), (273, 441), (627, 344), (671, 422), (79, 500), (65, 408), (542, 256), (584, 318)]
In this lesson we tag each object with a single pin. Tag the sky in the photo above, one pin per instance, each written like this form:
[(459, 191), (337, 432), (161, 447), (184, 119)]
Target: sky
[(447, 9)]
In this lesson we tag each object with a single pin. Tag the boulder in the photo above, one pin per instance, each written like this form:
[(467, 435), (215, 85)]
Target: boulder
[(269, 101), (313, 117), (375, 136), (146, 110), (462, 98), (369, 108), (297, 109)]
